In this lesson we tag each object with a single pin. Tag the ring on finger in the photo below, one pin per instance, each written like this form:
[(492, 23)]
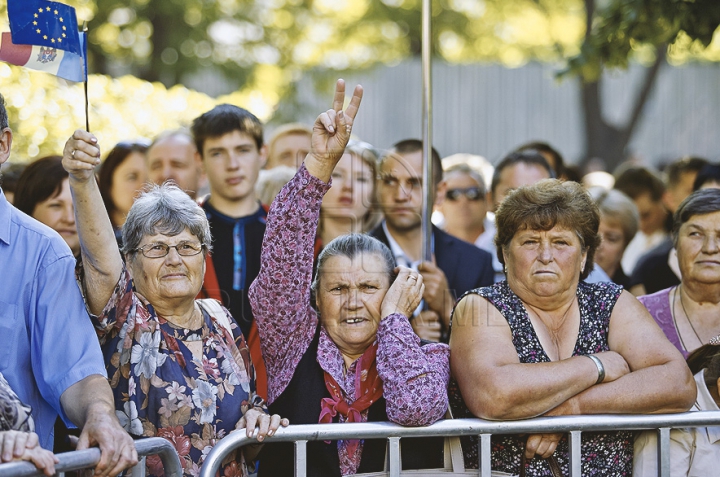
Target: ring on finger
[(73, 153), (348, 128)]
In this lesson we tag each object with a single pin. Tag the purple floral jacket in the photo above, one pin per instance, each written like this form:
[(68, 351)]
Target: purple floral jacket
[(415, 377)]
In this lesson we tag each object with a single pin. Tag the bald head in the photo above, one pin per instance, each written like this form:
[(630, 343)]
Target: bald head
[(172, 157)]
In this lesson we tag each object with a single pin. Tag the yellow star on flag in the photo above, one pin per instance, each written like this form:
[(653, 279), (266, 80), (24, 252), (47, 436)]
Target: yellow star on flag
[(59, 40), (55, 12), (52, 40), (38, 30), (39, 10), (48, 9), (44, 37)]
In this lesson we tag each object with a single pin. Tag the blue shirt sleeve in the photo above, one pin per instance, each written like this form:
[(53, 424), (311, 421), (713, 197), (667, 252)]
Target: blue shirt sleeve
[(64, 346)]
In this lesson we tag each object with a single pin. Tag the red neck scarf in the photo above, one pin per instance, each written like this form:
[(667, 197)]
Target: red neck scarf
[(368, 389)]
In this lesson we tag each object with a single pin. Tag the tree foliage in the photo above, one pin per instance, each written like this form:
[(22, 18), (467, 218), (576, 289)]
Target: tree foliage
[(261, 47), (632, 29)]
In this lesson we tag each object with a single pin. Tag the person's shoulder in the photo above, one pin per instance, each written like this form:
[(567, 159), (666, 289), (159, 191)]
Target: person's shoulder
[(37, 236), (654, 257), (378, 233), (599, 286), (469, 251), (658, 297)]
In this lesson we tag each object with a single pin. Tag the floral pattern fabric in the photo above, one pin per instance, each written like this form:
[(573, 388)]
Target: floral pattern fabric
[(602, 453), (162, 389), (14, 415), (414, 377)]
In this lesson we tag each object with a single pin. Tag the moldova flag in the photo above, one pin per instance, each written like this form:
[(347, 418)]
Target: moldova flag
[(45, 37)]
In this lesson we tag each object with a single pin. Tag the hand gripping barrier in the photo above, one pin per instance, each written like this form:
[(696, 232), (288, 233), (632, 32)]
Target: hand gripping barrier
[(89, 458), (574, 425)]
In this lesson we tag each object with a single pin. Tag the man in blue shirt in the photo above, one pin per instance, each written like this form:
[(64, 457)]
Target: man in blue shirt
[(49, 352)]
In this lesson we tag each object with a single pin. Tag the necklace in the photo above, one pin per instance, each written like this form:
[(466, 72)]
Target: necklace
[(682, 305)]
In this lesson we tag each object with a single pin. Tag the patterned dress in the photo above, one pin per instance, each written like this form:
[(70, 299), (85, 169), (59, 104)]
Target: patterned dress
[(162, 389), (14, 415), (603, 453)]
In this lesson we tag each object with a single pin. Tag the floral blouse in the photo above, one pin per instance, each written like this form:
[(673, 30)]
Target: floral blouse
[(14, 415), (162, 390), (414, 377)]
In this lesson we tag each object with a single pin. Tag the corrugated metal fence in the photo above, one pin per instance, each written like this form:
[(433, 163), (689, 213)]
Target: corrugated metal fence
[(490, 109)]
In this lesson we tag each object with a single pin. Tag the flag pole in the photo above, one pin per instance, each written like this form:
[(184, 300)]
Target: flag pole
[(428, 183), (87, 102)]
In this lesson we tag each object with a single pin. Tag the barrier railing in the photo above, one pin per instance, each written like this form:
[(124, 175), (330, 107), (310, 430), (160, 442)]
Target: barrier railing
[(574, 425), (89, 458)]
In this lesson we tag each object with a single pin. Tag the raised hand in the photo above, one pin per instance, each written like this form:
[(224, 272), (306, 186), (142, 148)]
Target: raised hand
[(80, 155), (331, 133)]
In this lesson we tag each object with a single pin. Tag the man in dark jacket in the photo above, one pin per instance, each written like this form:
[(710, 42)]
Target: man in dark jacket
[(457, 266)]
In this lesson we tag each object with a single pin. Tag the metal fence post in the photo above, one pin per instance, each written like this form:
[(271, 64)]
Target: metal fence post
[(663, 451)]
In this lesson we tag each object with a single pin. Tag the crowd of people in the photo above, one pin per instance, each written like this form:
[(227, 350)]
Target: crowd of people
[(206, 282)]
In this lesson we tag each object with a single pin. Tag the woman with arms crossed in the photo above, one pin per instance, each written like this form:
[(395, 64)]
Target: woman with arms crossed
[(546, 343)]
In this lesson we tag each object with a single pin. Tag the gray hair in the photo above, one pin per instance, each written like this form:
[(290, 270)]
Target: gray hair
[(350, 246), (617, 205), (700, 202), (164, 209)]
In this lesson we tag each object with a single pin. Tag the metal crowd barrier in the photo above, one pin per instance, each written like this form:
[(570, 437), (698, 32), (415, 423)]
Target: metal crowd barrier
[(574, 425), (89, 458)]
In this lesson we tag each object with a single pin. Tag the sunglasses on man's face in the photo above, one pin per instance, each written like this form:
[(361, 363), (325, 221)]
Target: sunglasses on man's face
[(470, 193)]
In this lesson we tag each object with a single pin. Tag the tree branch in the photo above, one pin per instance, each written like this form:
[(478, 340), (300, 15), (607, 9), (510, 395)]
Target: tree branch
[(647, 86), (589, 13)]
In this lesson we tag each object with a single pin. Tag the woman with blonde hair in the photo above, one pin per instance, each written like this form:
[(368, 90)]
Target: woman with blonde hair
[(350, 205)]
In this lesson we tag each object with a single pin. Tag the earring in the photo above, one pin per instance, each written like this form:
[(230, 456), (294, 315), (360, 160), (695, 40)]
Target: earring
[(505, 269)]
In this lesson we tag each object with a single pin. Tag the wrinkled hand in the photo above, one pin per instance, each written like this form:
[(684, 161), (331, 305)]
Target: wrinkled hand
[(437, 293), (116, 446), (542, 445), (404, 294), (264, 423), (331, 131), (80, 155), (427, 325), (17, 445), (615, 365)]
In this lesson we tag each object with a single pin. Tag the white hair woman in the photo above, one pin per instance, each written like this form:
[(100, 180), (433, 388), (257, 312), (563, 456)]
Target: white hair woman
[(179, 367)]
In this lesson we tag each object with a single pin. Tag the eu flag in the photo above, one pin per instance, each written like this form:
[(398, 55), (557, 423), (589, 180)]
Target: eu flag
[(44, 23)]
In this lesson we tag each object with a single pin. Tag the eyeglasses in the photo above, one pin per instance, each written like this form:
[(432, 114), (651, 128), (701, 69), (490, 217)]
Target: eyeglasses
[(159, 249), (470, 193)]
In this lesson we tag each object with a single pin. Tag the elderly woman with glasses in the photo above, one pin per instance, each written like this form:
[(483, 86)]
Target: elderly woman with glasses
[(179, 367)]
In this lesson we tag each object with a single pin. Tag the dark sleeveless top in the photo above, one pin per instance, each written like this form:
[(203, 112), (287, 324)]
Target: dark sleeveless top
[(300, 403), (603, 453)]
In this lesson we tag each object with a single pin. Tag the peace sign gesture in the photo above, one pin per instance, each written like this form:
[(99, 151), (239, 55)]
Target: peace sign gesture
[(331, 133)]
